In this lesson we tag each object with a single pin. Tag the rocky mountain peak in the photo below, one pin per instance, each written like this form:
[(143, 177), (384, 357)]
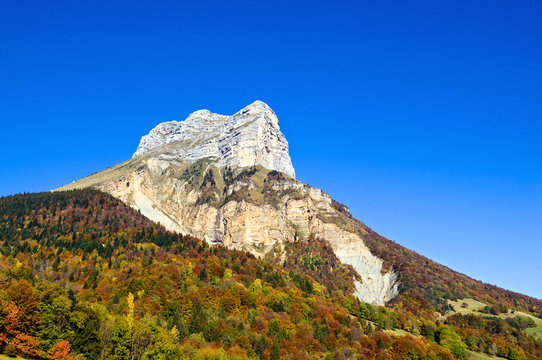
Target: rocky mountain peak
[(198, 177), (249, 137)]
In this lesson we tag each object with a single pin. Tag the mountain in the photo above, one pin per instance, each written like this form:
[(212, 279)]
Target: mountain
[(256, 265), (229, 180)]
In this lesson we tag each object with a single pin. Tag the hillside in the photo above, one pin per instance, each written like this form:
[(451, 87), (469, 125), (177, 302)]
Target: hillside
[(438, 284), (254, 201), (85, 274)]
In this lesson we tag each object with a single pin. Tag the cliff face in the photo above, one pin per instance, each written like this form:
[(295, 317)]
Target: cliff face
[(230, 180), (250, 137)]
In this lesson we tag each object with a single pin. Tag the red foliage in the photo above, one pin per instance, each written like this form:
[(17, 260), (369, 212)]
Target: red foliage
[(61, 351), (11, 332)]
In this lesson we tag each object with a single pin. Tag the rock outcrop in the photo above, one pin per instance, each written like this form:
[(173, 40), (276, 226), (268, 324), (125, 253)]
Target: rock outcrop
[(229, 180), (250, 137)]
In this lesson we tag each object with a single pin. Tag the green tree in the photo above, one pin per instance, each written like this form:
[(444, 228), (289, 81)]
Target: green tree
[(85, 324), (162, 350), (275, 351), (448, 338), (120, 341), (260, 346), (203, 274), (197, 325), (141, 339), (54, 307)]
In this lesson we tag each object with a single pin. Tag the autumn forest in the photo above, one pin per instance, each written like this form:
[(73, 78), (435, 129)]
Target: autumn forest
[(84, 276)]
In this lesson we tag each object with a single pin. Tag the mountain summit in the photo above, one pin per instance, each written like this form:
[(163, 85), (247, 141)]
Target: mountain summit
[(249, 137)]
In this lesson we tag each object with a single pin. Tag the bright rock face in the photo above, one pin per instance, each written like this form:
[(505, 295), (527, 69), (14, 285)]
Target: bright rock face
[(250, 137), (178, 177)]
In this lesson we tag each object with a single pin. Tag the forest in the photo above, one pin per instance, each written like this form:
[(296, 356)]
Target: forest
[(84, 276)]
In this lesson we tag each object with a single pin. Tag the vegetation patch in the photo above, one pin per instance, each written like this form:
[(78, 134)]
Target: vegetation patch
[(84, 276), (532, 325), (316, 258)]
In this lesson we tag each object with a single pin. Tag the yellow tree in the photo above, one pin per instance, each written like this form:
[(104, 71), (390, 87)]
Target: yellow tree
[(131, 310)]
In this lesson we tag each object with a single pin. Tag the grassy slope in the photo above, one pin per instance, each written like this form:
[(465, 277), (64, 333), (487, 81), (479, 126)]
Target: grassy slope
[(5, 357), (113, 172), (472, 355), (474, 306), (536, 331), (481, 356)]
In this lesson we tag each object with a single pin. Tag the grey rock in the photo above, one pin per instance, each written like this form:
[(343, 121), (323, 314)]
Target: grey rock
[(249, 137)]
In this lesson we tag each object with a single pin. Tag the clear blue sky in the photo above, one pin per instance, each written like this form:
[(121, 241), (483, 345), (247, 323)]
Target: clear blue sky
[(425, 117)]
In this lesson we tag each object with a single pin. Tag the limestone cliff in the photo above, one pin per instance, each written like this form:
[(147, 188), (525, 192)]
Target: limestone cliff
[(250, 137), (229, 180)]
